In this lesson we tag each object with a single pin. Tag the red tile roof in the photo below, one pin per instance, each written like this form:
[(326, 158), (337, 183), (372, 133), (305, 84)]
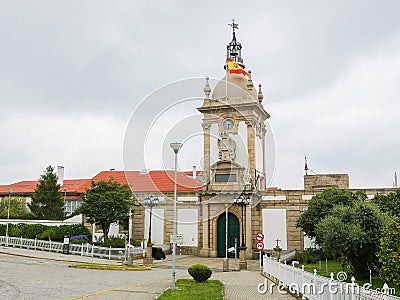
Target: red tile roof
[(153, 181), (74, 185)]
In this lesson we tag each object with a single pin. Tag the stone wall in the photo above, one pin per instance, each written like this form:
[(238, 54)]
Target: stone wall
[(323, 181)]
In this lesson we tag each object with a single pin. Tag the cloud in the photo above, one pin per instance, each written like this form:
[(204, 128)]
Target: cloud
[(84, 143), (348, 126), (328, 69)]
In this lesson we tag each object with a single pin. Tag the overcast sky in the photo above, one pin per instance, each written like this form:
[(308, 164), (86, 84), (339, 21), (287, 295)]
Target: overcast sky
[(72, 74)]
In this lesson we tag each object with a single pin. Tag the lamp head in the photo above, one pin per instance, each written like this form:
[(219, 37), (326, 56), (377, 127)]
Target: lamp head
[(176, 147)]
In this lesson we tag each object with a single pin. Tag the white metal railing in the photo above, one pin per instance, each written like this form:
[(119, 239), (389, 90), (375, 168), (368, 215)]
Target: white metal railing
[(314, 287), (78, 249)]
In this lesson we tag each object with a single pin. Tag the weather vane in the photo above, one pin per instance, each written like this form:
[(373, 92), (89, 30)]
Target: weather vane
[(234, 25)]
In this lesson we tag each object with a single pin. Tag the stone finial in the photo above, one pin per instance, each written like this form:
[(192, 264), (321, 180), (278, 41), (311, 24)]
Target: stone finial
[(250, 84), (260, 94), (207, 89), (385, 289)]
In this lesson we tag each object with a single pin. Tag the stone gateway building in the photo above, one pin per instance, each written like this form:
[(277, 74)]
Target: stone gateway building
[(231, 190)]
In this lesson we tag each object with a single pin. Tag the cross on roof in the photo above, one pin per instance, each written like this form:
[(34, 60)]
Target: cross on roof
[(234, 25)]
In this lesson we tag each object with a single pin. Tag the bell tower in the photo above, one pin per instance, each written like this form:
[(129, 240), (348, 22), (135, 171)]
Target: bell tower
[(234, 128)]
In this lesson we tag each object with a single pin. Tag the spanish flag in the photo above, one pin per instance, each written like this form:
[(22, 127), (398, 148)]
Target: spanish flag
[(234, 67)]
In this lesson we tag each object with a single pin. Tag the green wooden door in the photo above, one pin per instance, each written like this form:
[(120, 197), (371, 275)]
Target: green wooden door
[(233, 232)]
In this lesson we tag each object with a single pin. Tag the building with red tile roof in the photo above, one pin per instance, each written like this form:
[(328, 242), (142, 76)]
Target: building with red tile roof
[(156, 182)]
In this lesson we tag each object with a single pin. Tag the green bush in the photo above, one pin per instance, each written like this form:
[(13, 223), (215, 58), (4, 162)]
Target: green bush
[(48, 234), (199, 272), (55, 233), (136, 243), (79, 241), (309, 256), (114, 242), (70, 230)]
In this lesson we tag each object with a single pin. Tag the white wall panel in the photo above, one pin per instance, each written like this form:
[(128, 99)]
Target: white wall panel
[(274, 227), (188, 226), (157, 225)]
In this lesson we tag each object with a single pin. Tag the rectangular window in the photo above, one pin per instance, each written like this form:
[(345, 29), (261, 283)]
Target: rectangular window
[(225, 178)]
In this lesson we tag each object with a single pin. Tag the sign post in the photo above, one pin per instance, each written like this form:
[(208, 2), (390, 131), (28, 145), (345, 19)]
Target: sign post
[(260, 246), (143, 245)]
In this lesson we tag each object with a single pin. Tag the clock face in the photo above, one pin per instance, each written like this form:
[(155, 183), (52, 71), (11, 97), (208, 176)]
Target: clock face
[(228, 124)]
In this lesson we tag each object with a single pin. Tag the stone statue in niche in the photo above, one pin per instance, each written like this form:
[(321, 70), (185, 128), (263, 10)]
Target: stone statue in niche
[(227, 148), (247, 177)]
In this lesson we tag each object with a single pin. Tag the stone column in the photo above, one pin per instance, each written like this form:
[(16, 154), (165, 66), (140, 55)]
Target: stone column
[(251, 151), (205, 251), (206, 135), (249, 237)]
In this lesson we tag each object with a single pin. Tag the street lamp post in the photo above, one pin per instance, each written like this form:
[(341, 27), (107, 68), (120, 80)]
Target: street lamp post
[(242, 201), (150, 202), (8, 214), (176, 147)]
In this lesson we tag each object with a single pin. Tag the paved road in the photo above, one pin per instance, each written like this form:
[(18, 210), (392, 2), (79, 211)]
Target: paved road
[(33, 278), (28, 274)]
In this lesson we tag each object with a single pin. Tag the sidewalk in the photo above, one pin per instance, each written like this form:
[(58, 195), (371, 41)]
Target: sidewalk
[(53, 256)]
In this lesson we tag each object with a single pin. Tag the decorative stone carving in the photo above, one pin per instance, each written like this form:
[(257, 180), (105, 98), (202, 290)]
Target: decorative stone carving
[(260, 129), (247, 177), (207, 89), (227, 148), (249, 84), (260, 94), (206, 125)]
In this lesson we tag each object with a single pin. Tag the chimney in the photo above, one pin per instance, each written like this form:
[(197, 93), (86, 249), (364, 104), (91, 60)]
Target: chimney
[(60, 175), (194, 173)]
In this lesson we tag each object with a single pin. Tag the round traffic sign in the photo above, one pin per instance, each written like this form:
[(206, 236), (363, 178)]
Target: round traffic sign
[(259, 236), (260, 246)]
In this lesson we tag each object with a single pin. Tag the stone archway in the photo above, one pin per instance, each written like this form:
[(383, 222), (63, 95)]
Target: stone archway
[(233, 232)]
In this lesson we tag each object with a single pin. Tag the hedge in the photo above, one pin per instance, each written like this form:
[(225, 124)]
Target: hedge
[(32, 231)]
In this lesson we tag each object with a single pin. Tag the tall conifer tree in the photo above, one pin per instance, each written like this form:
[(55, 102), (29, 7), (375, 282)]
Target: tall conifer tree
[(47, 202)]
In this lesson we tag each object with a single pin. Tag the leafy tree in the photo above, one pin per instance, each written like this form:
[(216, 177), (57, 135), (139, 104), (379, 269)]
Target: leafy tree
[(389, 253), (47, 202), (390, 203), (17, 211), (106, 202), (322, 205), (352, 232)]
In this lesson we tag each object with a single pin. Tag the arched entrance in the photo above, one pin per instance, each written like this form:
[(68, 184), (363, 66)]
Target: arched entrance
[(233, 232)]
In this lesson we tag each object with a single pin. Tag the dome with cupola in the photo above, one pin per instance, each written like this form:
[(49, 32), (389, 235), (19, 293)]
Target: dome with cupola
[(237, 83)]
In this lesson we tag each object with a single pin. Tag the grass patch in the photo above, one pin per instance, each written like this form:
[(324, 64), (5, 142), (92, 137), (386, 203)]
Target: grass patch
[(322, 268), (335, 267), (110, 267), (190, 289)]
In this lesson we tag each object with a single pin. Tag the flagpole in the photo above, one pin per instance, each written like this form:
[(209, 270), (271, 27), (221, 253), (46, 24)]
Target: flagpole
[(226, 77)]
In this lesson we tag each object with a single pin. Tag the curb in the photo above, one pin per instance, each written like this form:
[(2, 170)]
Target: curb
[(98, 267), (45, 258)]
